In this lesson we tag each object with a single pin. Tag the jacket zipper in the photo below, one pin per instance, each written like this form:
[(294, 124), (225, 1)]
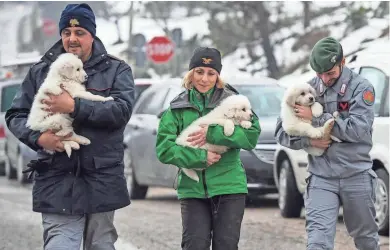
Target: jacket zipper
[(204, 183), (206, 193)]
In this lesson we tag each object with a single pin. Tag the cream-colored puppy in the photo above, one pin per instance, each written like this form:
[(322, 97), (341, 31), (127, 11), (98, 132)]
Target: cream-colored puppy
[(234, 110), (304, 95), (67, 71)]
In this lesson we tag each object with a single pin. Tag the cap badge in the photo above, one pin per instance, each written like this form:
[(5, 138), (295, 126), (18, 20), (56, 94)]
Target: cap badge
[(207, 60), (73, 22)]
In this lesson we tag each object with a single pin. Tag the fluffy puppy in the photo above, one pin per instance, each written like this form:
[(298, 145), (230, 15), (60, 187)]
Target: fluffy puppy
[(304, 95), (66, 72), (234, 110)]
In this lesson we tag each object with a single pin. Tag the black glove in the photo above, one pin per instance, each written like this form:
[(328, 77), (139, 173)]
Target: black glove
[(39, 165)]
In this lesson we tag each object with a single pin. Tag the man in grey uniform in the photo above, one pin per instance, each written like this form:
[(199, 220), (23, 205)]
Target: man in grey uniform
[(343, 174)]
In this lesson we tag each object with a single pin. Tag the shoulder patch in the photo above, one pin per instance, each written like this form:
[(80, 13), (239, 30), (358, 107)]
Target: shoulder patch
[(368, 97)]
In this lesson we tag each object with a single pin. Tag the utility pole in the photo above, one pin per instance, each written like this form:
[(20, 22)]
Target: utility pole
[(130, 41)]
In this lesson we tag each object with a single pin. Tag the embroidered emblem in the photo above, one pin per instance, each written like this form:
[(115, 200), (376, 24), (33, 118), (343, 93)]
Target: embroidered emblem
[(343, 88), (343, 106), (73, 22), (207, 60), (333, 59), (368, 97)]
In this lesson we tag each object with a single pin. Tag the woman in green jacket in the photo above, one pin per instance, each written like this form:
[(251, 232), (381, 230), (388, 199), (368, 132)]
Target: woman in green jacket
[(212, 208)]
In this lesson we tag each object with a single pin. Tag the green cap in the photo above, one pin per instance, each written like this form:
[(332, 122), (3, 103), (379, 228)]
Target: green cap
[(326, 53)]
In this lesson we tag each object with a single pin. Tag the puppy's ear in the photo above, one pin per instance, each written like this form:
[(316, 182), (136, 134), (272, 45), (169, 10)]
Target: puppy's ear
[(66, 69), (313, 91), (230, 113), (290, 100)]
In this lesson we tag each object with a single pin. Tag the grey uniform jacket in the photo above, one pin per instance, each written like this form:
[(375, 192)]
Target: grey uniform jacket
[(353, 127)]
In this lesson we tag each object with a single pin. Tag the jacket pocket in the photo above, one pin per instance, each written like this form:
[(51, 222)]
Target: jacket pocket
[(107, 162), (309, 184), (374, 183), (99, 85)]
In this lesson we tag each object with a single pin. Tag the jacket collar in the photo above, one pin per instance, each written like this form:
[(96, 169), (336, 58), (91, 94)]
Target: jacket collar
[(183, 99), (341, 85)]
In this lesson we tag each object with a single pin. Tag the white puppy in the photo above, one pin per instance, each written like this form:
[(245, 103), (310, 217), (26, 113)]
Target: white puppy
[(67, 71), (234, 110), (304, 95)]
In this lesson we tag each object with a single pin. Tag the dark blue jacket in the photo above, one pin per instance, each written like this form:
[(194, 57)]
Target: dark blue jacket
[(92, 180)]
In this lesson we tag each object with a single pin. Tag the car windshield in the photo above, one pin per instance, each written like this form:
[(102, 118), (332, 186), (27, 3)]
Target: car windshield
[(265, 99)]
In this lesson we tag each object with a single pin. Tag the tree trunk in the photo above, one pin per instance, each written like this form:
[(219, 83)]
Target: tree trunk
[(306, 14), (263, 15)]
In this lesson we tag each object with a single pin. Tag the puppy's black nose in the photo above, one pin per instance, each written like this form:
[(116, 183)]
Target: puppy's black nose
[(311, 99)]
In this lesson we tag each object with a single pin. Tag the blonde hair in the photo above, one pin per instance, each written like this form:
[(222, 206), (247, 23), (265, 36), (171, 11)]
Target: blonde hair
[(188, 84)]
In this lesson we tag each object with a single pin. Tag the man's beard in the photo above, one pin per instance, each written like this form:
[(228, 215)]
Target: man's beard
[(332, 81), (77, 51)]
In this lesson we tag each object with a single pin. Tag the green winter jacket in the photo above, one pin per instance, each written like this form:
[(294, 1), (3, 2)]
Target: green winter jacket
[(227, 176)]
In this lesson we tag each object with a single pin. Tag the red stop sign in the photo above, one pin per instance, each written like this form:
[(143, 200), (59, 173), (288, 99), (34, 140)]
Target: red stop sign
[(160, 49)]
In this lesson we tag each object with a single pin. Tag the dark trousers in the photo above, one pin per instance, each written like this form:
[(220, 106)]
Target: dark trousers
[(217, 219)]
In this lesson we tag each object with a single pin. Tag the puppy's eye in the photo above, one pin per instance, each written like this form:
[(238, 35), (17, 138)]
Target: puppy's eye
[(244, 109), (78, 69), (303, 93)]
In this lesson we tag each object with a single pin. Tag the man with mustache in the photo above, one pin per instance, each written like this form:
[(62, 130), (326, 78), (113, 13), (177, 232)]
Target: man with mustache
[(343, 175), (77, 196)]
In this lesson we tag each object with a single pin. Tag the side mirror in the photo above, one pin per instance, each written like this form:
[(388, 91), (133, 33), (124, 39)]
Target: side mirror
[(159, 115)]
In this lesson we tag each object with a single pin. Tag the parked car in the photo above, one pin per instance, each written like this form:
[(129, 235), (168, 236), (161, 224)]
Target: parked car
[(142, 167), (141, 84), (290, 169), (8, 89), (16, 154)]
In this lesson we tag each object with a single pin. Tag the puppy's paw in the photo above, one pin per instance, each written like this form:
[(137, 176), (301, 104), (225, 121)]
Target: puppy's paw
[(228, 129), (329, 125), (334, 138), (246, 124), (336, 114), (82, 140), (63, 132), (110, 98), (317, 109), (316, 133)]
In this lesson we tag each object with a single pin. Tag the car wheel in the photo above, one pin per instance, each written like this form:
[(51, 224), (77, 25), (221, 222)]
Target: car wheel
[(10, 172), (382, 201), (136, 191), (290, 199), (21, 177)]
